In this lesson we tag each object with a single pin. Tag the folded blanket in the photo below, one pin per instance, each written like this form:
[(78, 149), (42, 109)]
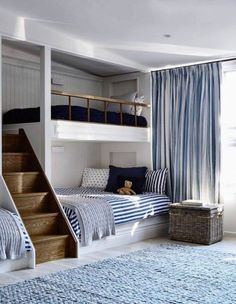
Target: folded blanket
[(95, 217), (12, 244)]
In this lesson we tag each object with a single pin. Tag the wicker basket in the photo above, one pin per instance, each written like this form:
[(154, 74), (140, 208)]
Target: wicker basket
[(202, 225)]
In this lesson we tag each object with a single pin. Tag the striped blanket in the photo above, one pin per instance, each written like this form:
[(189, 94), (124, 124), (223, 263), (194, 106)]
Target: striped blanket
[(125, 208), (14, 241)]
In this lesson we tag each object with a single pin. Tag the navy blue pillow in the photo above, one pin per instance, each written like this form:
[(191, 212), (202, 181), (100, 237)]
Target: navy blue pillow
[(137, 183), (114, 172)]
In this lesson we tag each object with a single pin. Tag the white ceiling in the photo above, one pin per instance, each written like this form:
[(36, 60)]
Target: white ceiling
[(91, 66), (135, 29)]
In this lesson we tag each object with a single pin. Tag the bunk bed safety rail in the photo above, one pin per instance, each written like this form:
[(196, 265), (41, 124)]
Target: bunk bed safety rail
[(105, 100)]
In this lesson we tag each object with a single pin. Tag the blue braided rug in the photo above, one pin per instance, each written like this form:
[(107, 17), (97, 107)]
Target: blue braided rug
[(162, 274)]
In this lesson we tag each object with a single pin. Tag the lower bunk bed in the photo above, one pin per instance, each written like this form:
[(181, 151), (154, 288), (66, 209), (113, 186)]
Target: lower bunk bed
[(15, 245), (136, 217)]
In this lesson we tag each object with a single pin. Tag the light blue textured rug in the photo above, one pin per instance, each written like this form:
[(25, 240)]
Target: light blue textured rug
[(162, 274)]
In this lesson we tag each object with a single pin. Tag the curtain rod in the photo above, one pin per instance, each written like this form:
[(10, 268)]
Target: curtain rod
[(192, 64)]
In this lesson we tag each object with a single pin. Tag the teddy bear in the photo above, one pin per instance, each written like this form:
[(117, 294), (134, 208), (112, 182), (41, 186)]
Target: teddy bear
[(126, 189)]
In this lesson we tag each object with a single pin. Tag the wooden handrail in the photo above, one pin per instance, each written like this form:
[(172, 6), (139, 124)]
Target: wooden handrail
[(98, 98), (105, 100)]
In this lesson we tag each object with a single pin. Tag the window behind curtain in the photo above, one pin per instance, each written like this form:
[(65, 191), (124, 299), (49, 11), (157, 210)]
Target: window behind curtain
[(228, 153)]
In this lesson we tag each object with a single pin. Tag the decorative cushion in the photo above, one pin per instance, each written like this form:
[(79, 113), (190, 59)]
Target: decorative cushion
[(114, 172), (137, 183), (156, 181), (95, 177), (139, 109), (112, 107)]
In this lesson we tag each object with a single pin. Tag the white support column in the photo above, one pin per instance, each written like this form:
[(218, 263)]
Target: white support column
[(0, 105), (45, 108)]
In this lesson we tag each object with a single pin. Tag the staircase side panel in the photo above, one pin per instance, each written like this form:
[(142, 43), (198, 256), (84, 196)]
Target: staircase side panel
[(7, 203)]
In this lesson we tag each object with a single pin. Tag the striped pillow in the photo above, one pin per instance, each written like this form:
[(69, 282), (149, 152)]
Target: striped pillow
[(156, 181)]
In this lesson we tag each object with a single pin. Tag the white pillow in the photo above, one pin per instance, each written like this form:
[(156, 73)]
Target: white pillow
[(95, 178), (138, 99), (112, 107)]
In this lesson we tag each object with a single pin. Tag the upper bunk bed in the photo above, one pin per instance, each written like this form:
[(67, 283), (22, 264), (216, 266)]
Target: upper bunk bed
[(113, 120)]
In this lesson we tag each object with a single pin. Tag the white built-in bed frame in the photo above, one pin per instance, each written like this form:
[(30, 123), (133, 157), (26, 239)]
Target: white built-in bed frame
[(68, 130), (41, 134), (132, 232), (88, 131)]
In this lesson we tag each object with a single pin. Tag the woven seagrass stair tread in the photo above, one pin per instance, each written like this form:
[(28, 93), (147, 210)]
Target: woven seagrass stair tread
[(41, 223), (35, 200), (21, 173), (46, 238), (25, 182), (16, 153), (29, 194), (15, 135), (32, 202), (32, 216), (50, 247), (13, 143)]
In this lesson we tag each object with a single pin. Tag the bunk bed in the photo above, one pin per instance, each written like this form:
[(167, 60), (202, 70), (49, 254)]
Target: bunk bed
[(135, 217), (75, 122), (127, 210)]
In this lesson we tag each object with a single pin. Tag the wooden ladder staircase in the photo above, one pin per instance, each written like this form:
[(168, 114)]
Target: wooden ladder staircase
[(35, 200)]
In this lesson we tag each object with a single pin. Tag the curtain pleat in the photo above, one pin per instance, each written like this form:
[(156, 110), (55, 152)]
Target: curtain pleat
[(186, 130)]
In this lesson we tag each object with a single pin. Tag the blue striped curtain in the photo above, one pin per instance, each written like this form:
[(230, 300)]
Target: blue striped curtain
[(186, 130)]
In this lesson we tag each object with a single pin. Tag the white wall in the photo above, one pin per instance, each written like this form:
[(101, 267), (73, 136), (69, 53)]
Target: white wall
[(122, 84), (68, 165), (21, 86), (76, 81), (141, 152), (21, 80), (70, 158)]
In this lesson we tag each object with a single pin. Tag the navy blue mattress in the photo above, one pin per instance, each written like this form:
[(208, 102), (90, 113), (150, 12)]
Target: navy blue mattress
[(77, 114)]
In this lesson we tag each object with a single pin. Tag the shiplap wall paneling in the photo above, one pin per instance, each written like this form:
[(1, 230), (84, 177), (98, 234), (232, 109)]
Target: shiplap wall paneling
[(122, 84), (123, 159), (123, 87), (21, 86), (77, 83), (69, 161), (115, 152)]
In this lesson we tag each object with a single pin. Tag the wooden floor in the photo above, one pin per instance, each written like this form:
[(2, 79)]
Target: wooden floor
[(228, 245)]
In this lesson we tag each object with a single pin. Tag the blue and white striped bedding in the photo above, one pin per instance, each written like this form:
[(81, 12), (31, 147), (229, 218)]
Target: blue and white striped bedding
[(26, 238), (125, 208), (14, 241)]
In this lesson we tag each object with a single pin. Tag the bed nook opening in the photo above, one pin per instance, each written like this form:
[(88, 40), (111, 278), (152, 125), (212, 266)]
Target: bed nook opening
[(100, 115), (109, 103)]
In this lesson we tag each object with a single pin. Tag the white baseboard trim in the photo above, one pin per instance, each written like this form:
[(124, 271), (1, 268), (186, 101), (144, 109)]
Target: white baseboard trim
[(13, 265), (131, 233), (229, 233)]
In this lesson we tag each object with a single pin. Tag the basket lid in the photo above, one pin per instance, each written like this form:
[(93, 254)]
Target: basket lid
[(205, 207)]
